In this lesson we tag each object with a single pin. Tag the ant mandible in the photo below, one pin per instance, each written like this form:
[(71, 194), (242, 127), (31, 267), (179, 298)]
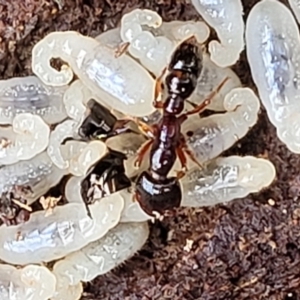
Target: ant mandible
[(155, 191)]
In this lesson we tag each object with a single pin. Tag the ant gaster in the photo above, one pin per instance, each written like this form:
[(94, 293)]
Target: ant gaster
[(155, 191)]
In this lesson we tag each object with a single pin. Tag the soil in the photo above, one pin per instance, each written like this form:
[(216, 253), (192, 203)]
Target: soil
[(247, 249)]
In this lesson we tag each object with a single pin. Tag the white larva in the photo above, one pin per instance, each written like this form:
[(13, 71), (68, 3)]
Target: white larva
[(27, 137), (226, 17), (114, 81), (30, 95), (273, 51)]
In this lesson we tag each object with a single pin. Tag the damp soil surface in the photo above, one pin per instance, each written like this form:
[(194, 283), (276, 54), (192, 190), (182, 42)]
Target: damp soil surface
[(247, 249)]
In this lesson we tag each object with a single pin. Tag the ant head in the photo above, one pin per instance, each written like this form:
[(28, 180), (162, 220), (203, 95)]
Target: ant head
[(157, 196), (188, 57)]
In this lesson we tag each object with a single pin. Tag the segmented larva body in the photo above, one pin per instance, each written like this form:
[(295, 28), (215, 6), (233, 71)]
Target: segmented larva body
[(273, 51), (38, 174), (210, 136), (27, 137), (226, 17), (98, 258), (30, 95), (226, 178), (114, 81), (67, 229)]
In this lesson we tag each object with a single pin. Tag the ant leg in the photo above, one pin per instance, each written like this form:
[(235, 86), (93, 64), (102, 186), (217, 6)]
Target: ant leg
[(182, 158), (158, 90), (144, 148), (201, 107), (118, 128), (192, 156), (146, 129), (184, 148), (120, 124), (149, 131), (121, 49)]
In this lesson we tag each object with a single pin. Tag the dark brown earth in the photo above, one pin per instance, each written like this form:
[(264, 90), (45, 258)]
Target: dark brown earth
[(249, 249)]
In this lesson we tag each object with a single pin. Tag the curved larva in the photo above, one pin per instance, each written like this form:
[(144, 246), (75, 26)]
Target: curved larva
[(73, 189), (132, 211), (28, 283), (31, 95), (151, 41), (226, 17), (179, 31), (226, 179), (75, 100), (66, 291), (143, 44), (81, 156), (133, 21), (28, 136), (113, 80), (38, 173), (210, 136), (67, 129), (211, 76), (273, 50), (45, 238), (101, 256)]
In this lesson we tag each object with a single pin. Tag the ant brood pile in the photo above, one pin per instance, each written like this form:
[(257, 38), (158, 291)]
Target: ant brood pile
[(61, 146)]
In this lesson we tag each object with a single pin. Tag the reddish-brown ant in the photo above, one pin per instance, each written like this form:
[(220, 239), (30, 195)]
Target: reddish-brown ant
[(155, 191)]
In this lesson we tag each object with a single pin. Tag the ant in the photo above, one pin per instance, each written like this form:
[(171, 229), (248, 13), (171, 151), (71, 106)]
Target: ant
[(155, 191)]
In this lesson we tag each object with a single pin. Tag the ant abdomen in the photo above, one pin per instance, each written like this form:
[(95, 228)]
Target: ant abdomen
[(157, 196)]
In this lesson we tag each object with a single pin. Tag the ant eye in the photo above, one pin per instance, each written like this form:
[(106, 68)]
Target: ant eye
[(189, 133)]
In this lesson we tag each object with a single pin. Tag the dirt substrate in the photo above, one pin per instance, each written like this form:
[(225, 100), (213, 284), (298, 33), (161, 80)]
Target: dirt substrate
[(248, 249)]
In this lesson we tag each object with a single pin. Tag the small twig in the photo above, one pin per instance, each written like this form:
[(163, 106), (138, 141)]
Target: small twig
[(22, 205)]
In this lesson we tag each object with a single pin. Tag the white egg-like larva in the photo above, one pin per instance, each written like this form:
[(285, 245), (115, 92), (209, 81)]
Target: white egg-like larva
[(68, 228), (273, 51), (28, 136), (101, 256), (113, 79), (30, 95), (226, 179), (208, 137), (226, 17)]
